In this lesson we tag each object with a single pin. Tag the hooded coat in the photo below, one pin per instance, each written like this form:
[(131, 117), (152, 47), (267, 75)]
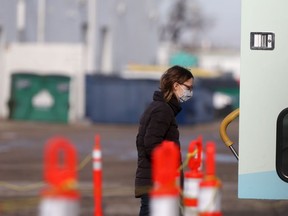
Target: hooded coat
[(158, 123)]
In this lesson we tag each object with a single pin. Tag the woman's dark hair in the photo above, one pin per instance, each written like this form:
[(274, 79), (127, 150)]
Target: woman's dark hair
[(174, 74)]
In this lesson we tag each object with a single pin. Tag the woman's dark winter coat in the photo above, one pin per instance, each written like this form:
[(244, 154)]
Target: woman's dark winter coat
[(157, 123)]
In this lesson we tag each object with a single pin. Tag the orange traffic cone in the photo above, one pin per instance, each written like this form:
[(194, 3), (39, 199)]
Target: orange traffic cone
[(165, 192), (192, 180), (210, 197), (97, 177), (60, 198)]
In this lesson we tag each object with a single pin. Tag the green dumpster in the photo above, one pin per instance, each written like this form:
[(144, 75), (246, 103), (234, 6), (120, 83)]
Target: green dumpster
[(23, 88), (39, 98)]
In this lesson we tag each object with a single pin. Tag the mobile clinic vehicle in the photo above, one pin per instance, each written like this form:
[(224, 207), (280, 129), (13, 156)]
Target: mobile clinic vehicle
[(263, 121)]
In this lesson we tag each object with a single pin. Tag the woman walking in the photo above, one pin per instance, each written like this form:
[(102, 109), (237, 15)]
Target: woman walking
[(158, 123)]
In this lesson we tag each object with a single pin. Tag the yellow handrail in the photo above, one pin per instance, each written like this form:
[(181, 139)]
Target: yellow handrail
[(223, 127)]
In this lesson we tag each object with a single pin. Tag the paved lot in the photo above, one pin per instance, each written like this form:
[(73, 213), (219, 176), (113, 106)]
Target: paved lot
[(21, 165)]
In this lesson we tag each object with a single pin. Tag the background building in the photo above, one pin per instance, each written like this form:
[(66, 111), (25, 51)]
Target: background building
[(74, 38), (74, 42)]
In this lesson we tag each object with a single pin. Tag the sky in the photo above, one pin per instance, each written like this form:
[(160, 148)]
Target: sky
[(227, 21), (226, 17)]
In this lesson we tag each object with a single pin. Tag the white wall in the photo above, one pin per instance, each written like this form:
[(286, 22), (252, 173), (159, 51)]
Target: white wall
[(62, 59), (228, 61)]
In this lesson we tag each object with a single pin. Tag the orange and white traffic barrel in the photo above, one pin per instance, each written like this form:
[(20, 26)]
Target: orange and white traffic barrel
[(210, 196), (165, 193), (192, 179), (97, 177), (60, 197)]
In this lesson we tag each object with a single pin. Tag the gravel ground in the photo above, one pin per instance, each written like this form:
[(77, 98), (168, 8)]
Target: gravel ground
[(21, 166)]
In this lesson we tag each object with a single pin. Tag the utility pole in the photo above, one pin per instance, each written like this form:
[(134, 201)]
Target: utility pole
[(41, 21), (21, 20), (91, 46), (2, 74)]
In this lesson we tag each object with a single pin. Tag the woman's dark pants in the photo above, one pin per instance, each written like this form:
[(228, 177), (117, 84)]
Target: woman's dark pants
[(144, 208)]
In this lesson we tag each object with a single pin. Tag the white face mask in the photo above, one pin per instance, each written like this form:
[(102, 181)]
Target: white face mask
[(187, 94)]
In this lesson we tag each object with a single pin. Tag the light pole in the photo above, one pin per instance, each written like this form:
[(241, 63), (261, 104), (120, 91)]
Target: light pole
[(91, 46), (41, 21)]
